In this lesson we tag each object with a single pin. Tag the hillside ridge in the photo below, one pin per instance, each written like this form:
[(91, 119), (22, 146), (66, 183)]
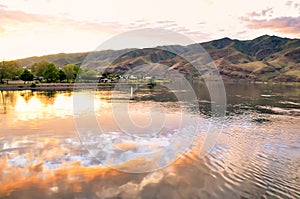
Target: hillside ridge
[(265, 58)]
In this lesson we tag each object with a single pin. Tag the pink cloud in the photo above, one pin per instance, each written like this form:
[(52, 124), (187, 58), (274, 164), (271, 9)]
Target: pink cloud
[(13, 17), (289, 25), (262, 13), (293, 4)]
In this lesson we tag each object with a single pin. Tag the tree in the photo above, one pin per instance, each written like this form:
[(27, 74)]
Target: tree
[(9, 70), (105, 75), (39, 68), (76, 71), (50, 73), (61, 75), (71, 71), (87, 73), (26, 76)]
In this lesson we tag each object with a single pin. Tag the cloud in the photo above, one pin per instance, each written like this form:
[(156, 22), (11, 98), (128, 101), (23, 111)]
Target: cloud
[(19, 29), (292, 4), (12, 16), (139, 24), (2, 6), (287, 25), (262, 13), (20, 18), (165, 22), (167, 25)]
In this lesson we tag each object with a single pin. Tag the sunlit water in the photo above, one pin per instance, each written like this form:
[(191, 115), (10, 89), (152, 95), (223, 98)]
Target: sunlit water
[(257, 154)]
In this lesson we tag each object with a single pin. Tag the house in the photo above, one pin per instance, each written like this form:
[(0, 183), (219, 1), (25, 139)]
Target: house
[(133, 77)]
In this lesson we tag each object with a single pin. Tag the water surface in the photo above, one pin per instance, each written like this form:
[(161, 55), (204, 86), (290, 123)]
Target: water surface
[(255, 156)]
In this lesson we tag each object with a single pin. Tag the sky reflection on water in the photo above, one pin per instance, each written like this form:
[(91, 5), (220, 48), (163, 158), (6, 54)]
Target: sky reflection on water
[(256, 155)]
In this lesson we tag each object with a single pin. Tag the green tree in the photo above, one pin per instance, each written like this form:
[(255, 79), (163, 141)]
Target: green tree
[(76, 71), (39, 68), (87, 73), (9, 70), (50, 73), (105, 75), (61, 75), (69, 71), (26, 76)]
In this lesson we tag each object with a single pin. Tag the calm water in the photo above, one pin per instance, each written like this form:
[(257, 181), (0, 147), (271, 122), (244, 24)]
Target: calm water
[(256, 155)]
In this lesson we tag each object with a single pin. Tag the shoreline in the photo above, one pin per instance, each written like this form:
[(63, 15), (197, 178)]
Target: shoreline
[(72, 86), (52, 86)]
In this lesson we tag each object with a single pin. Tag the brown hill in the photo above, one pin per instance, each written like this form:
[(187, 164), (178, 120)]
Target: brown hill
[(266, 58)]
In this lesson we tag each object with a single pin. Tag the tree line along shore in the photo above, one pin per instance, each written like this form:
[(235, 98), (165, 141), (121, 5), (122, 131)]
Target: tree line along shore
[(42, 72)]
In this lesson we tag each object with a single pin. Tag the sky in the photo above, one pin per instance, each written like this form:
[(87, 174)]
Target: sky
[(40, 27)]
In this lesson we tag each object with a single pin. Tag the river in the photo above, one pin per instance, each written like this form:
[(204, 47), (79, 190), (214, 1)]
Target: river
[(50, 150)]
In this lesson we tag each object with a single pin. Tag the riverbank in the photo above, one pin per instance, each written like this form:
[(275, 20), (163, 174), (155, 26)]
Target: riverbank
[(63, 86), (70, 86), (52, 86)]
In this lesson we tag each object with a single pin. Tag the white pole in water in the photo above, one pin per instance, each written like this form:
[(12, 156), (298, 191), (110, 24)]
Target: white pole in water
[(131, 92)]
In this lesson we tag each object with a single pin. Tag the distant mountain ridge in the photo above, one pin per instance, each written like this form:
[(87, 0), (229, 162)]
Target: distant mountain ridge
[(266, 58)]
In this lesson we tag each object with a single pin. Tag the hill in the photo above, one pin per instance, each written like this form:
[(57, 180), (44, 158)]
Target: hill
[(266, 58)]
